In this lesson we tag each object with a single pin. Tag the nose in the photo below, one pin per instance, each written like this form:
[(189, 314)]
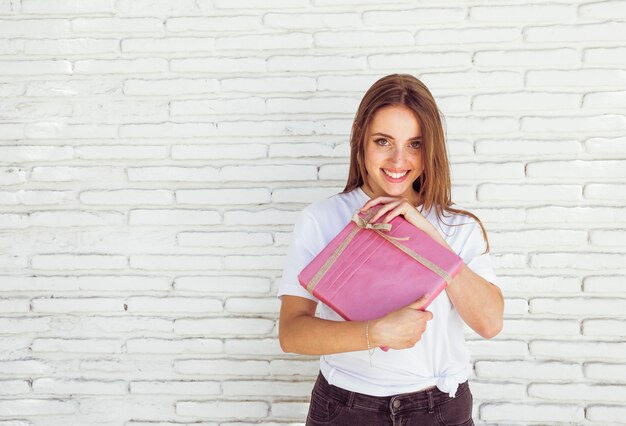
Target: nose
[(397, 154)]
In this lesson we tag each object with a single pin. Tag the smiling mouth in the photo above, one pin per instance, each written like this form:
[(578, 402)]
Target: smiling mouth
[(395, 175)]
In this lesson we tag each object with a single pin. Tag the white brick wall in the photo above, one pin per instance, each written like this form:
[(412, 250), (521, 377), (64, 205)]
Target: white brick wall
[(154, 155)]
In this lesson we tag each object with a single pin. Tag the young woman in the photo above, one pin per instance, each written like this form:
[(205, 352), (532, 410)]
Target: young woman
[(398, 159)]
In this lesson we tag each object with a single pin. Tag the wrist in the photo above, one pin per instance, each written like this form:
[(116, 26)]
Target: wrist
[(373, 335)]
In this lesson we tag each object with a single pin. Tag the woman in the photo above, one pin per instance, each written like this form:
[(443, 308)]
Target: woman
[(398, 159)]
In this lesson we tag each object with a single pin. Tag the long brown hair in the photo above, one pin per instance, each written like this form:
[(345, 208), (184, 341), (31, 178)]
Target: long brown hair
[(433, 184)]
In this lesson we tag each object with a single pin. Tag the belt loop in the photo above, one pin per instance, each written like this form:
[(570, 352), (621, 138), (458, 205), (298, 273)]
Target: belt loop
[(350, 400), (431, 402)]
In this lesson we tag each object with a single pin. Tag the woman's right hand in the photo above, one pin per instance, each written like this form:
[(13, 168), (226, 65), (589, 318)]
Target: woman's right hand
[(402, 328)]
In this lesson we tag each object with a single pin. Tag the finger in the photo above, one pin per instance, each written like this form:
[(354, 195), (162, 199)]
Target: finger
[(419, 303), (382, 211)]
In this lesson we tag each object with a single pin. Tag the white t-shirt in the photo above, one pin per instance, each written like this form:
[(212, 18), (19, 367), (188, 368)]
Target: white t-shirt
[(440, 358)]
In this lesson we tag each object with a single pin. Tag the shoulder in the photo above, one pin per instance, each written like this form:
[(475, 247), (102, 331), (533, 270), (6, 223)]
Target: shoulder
[(328, 216)]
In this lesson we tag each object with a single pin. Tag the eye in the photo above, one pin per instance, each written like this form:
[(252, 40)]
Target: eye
[(381, 141), (416, 144)]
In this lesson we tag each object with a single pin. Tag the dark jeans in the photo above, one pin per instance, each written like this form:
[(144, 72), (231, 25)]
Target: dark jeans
[(331, 405)]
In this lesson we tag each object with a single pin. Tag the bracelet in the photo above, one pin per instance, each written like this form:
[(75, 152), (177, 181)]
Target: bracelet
[(370, 351)]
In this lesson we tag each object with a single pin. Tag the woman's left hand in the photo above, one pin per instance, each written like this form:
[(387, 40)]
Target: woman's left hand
[(395, 206)]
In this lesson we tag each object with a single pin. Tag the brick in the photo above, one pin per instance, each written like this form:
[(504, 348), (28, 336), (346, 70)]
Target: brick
[(534, 238), (223, 284), (13, 262), (252, 305), (254, 262), (485, 171), (162, 8), (13, 387), (36, 197), (130, 283), (82, 304), (255, 346), (358, 39), (523, 13), (174, 262), (173, 304), (310, 20), (289, 410), (222, 367), (604, 55), (529, 101), (611, 10), (173, 174), (531, 412), (422, 60), (303, 195), (34, 27), (167, 130), (467, 35), (540, 327), (607, 238), (60, 130), (526, 147), (261, 217), (28, 153), (116, 409), (573, 392), (124, 324), (292, 40), (497, 348), (70, 88), (605, 372), (606, 145), (224, 239), (608, 31), (127, 197), (250, 105), (24, 325), (174, 346), (14, 305), (14, 221), (515, 307), (12, 47), (548, 58), (493, 390), (588, 350), (178, 86), (269, 85), (8, 67), (299, 150), (78, 261), (11, 131), (121, 66), (576, 169), (25, 367), (291, 368), (575, 79), (265, 388), (79, 46), (30, 407), (606, 413), (12, 89), (604, 100), (573, 215), (168, 44), (213, 24), (117, 25), (219, 65), (529, 192), (96, 346), (599, 123), (591, 261), (268, 128), (604, 284), (280, 63), (421, 15), (210, 152), (223, 409), (578, 306), (79, 174), (604, 327), (528, 370), (462, 126), (472, 80), (334, 172), (311, 105), (81, 387), (224, 326), (269, 4), (72, 8), (178, 387)]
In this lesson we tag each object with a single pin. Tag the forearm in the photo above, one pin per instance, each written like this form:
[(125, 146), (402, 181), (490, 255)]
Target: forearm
[(309, 335)]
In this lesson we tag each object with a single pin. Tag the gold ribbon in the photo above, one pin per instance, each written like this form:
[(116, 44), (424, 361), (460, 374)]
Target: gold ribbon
[(380, 229)]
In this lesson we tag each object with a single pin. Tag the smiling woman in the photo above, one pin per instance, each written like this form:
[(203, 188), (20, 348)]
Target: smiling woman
[(398, 160)]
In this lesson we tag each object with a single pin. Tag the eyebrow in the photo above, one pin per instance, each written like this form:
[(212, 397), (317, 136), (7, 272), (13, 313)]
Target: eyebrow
[(416, 138)]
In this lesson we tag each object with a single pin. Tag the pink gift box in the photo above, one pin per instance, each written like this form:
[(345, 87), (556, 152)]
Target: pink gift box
[(364, 273)]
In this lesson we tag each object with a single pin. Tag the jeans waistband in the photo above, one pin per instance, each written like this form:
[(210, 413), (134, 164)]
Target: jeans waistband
[(423, 399)]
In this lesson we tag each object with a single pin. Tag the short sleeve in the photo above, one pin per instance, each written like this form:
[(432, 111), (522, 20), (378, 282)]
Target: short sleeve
[(303, 247), (473, 252)]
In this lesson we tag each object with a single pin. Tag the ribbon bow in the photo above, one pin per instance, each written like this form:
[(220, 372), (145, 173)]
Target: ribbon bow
[(365, 224)]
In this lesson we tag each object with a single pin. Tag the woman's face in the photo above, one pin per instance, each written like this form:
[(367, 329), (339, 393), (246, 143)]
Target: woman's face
[(393, 153)]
